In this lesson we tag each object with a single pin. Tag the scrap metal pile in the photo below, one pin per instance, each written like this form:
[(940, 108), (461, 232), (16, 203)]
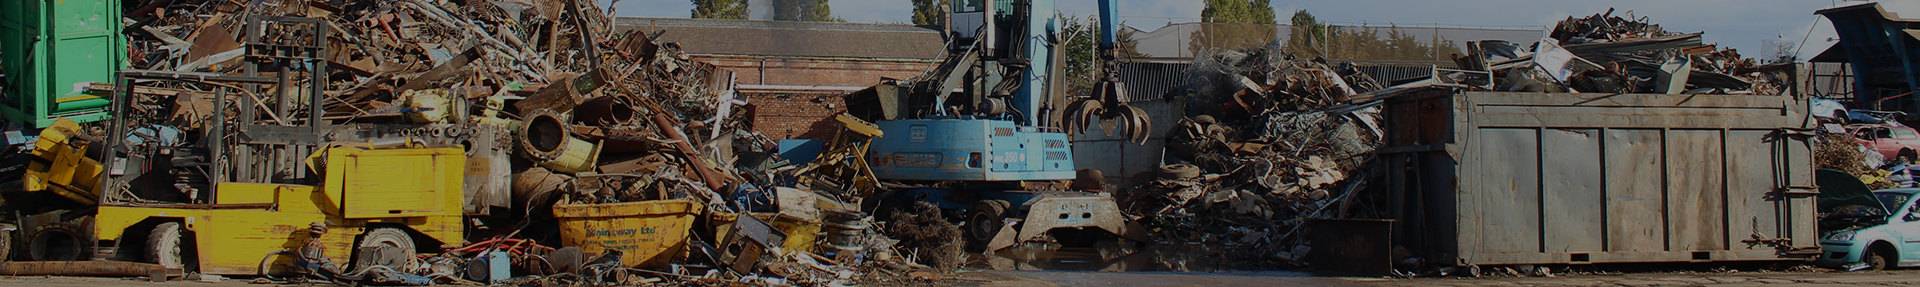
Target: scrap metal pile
[(1273, 141), (1604, 53), (1273, 145), (562, 117)]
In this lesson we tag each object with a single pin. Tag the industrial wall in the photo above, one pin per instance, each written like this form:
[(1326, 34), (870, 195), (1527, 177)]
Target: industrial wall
[(795, 71), (824, 72), (795, 98), (1119, 160), (796, 115)]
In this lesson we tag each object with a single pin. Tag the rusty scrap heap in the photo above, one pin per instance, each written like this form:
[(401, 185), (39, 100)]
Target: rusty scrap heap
[(564, 118), (1273, 145), (544, 72), (1611, 54), (1273, 141)]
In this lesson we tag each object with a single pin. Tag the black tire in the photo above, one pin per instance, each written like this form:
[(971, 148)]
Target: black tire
[(60, 242), (390, 237), (983, 222), (166, 245)]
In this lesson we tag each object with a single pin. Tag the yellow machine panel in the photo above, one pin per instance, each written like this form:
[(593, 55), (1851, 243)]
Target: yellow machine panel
[(396, 182), (232, 241), (61, 166)]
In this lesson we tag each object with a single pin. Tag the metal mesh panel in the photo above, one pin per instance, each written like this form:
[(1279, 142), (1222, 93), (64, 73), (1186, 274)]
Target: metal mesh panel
[(1425, 43)]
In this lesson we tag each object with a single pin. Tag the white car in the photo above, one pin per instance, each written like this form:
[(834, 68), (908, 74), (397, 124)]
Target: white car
[(1873, 238)]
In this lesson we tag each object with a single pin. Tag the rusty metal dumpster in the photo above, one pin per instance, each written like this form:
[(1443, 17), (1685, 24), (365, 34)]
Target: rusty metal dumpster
[(1491, 178)]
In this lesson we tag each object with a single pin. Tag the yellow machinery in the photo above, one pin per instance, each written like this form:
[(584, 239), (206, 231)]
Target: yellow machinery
[(60, 164), (406, 198)]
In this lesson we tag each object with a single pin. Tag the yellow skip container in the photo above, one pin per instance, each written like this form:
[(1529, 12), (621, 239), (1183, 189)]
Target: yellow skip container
[(648, 233)]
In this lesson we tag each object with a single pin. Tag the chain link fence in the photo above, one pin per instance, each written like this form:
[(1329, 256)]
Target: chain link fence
[(1365, 42)]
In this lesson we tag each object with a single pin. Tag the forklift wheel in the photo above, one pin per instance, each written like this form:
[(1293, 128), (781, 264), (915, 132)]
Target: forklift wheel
[(388, 237), (166, 245), (6, 245), (57, 242)]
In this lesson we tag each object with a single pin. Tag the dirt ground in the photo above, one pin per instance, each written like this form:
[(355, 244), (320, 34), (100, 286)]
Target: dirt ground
[(1264, 278), (1288, 278), (1874, 278)]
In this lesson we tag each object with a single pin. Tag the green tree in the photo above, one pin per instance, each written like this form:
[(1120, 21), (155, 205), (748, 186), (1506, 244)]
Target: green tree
[(783, 10), (803, 10), (1083, 56), (928, 12), (1307, 35), (1368, 43), (720, 9), (1234, 24)]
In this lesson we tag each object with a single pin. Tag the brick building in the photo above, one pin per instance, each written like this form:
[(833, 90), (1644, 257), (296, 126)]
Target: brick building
[(794, 73)]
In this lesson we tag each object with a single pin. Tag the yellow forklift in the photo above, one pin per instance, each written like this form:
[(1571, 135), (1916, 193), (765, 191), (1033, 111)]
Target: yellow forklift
[(407, 198), (256, 180), (237, 193)]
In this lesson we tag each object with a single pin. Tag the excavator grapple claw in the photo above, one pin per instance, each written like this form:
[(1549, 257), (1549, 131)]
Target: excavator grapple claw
[(1112, 113)]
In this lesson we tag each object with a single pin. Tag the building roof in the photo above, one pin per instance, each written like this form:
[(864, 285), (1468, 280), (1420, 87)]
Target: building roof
[(1875, 7), (795, 39), (1885, 54), (1833, 54)]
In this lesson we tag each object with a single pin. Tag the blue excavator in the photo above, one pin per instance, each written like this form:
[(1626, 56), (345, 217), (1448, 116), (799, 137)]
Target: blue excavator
[(985, 135)]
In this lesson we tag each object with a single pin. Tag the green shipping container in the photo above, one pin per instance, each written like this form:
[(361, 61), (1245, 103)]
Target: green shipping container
[(50, 50)]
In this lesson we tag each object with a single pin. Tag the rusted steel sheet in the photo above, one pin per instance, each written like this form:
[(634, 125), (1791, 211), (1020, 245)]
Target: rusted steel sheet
[(1489, 178)]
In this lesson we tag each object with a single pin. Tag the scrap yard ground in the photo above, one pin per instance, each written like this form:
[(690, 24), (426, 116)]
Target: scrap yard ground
[(550, 143), (1266, 278)]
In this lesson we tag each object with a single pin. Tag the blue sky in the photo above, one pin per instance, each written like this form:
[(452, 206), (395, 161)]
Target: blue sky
[(1742, 24)]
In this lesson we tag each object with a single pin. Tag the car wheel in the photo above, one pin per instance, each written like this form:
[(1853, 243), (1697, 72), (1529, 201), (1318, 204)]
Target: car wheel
[(1876, 262)]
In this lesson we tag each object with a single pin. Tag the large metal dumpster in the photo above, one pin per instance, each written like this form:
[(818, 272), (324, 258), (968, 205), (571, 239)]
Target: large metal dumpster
[(52, 50), (1485, 178)]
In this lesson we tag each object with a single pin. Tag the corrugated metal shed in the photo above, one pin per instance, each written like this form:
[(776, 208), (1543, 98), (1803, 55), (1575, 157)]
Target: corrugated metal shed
[(1149, 80), (1388, 73)]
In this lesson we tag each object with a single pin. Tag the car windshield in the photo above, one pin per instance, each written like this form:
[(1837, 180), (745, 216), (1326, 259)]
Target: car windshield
[(1892, 200), (1904, 134)]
